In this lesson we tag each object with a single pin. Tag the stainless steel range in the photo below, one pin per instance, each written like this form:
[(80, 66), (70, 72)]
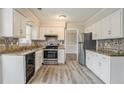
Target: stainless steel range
[(51, 55)]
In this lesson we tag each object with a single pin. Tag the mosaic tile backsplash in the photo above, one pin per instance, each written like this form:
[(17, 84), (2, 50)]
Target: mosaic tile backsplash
[(12, 44), (6, 43), (115, 45)]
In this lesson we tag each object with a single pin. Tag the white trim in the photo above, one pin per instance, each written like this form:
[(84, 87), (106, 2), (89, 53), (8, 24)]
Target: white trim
[(77, 31)]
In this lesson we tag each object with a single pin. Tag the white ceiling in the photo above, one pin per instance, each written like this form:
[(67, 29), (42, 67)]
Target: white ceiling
[(72, 14)]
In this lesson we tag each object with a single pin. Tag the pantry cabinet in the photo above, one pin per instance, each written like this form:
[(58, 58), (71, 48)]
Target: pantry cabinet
[(108, 68), (12, 23)]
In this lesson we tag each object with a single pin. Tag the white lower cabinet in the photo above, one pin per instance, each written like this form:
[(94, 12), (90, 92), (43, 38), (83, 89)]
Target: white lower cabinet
[(13, 69), (105, 69), (38, 59), (108, 68), (61, 56)]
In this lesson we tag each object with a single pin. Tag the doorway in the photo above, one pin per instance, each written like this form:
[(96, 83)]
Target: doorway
[(71, 44)]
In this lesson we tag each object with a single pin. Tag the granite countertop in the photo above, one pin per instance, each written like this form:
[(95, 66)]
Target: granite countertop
[(108, 53), (24, 52)]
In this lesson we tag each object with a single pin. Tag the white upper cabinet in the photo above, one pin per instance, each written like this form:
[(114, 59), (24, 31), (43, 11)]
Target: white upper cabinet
[(12, 23), (42, 33), (19, 25), (35, 35), (6, 22), (98, 30), (109, 27), (94, 33), (115, 24), (59, 31), (105, 27)]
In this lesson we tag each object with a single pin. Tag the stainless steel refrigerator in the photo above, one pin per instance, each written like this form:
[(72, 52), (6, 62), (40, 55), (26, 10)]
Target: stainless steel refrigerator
[(85, 42)]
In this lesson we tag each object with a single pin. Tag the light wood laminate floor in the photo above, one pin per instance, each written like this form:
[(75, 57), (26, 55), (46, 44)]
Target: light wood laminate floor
[(69, 73)]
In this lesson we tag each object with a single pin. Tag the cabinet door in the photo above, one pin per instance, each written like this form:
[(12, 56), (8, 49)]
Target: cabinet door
[(42, 33), (115, 23), (61, 56), (17, 24), (6, 21), (35, 33), (98, 29), (105, 69), (94, 35), (88, 60), (61, 33), (23, 26), (105, 27), (38, 59), (13, 73), (95, 63)]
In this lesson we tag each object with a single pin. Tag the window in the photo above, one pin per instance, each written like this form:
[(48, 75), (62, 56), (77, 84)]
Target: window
[(27, 40)]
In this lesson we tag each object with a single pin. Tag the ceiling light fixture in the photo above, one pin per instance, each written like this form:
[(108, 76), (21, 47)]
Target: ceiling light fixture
[(62, 17)]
